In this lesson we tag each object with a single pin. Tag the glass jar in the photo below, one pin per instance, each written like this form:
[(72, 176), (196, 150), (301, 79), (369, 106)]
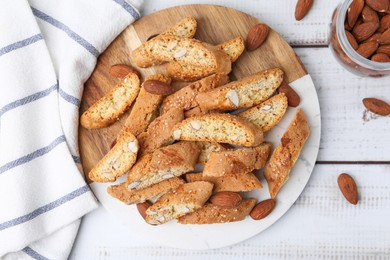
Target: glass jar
[(345, 54)]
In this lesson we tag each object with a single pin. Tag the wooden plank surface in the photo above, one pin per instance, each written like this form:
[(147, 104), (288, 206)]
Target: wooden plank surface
[(216, 24), (279, 14), (321, 225), (346, 135)]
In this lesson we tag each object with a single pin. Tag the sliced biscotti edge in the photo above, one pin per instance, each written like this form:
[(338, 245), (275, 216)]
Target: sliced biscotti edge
[(146, 107), (183, 50), (233, 48), (267, 114), (167, 162), (243, 93), (237, 161), (229, 182), (153, 192), (159, 132), (185, 199), (220, 128), (211, 214), (206, 148), (118, 160), (110, 107), (285, 155), (185, 97), (185, 28)]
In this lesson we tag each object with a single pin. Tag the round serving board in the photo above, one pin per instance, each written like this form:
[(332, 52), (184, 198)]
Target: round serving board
[(216, 24)]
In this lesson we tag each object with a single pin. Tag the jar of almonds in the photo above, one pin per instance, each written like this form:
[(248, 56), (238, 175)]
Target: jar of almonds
[(360, 36)]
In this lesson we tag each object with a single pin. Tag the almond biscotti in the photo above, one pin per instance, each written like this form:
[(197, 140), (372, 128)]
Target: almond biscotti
[(109, 108), (186, 72), (185, 28), (220, 128), (237, 161), (159, 132), (183, 50), (185, 97), (146, 107), (153, 192), (118, 160), (164, 163), (206, 148), (267, 114), (243, 93), (185, 199), (285, 155), (211, 214), (233, 48), (229, 182)]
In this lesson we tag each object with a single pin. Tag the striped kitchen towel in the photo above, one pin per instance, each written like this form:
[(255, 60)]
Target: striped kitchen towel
[(48, 49)]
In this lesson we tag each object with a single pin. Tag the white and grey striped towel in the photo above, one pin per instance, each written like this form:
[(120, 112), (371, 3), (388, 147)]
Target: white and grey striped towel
[(48, 48)]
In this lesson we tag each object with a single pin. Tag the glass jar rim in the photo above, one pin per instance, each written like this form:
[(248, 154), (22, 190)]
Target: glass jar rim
[(347, 48)]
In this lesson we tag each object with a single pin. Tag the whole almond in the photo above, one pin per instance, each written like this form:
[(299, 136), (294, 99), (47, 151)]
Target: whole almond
[(256, 36), (380, 57), (351, 40), (377, 106), (364, 30), (302, 8), (292, 96), (354, 11), (378, 5), (263, 209), (384, 49), (369, 15), (385, 37), (348, 188), (374, 38), (367, 49), (121, 70), (157, 87), (142, 207), (226, 199), (384, 23)]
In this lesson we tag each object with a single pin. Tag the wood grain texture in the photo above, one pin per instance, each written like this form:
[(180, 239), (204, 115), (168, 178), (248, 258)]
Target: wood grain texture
[(313, 30), (321, 225), (216, 24)]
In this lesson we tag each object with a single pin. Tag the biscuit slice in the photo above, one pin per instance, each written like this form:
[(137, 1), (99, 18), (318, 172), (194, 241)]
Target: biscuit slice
[(164, 163), (185, 51), (206, 148), (185, 97), (159, 132), (186, 72), (267, 114), (211, 214), (185, 28), (118, 160), (285, 155), (146, 107), (229, 182), (220, 128), (109, 108), (243, 93), (237, 161), (185, 199), (153, 192), (233, 48)]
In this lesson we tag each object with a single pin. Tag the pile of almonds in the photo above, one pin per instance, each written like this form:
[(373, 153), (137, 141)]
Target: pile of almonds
[(367, 27)]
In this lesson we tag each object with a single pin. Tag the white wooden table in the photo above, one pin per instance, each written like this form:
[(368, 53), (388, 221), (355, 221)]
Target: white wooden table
[(320, 225)]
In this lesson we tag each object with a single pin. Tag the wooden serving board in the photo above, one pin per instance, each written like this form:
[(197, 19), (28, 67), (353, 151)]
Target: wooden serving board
[(216, 24)]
